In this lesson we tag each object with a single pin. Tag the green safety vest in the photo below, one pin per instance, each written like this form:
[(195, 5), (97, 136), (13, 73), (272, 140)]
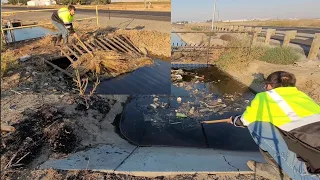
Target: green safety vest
[(285, 107), (65, 15)]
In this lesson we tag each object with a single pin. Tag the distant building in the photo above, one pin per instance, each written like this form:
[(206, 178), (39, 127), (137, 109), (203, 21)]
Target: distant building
[(41, 2)]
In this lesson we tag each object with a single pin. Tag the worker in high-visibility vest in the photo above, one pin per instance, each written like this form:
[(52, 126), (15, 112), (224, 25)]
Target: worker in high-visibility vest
[(285, 124), (62, 19)]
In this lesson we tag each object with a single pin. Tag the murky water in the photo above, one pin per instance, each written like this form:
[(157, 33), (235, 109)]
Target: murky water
[(206, 93), (29, 33), (146, 125), (146, 80)]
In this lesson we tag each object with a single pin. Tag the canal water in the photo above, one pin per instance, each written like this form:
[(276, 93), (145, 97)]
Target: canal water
[(146, 80), (29, 33), (175, 39), (206, 93)]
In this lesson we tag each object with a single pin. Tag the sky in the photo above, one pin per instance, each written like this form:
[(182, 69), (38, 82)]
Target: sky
[(201, 10)]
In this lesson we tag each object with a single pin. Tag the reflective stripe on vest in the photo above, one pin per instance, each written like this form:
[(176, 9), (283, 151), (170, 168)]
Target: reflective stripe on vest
[(302, 122), (296, 121), (283, 105), (244, 121)]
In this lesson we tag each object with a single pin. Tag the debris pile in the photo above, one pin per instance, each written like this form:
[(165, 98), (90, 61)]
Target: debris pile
[(41, 127), (110, 63), (202, 101)]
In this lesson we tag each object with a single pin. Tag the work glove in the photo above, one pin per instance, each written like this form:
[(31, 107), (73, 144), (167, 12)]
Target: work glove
[(236, 121)]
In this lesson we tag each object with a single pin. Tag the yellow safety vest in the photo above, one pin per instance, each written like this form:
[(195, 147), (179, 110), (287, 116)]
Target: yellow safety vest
[(284, 107), (65, 15)]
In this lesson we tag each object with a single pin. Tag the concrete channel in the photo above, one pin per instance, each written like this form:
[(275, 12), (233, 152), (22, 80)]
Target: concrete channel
[(153, 141)]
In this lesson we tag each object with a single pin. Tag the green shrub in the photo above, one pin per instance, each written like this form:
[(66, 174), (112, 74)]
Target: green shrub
[(280, 55), (196, 29)]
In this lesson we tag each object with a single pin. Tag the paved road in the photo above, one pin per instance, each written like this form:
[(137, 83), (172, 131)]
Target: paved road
[(148, 15)]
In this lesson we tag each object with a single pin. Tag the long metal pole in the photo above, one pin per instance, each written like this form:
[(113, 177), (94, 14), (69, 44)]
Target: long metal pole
[(214, 12)]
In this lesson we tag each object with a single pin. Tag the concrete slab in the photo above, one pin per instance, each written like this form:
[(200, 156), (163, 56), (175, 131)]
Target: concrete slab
[(106, 158), (152, 161)]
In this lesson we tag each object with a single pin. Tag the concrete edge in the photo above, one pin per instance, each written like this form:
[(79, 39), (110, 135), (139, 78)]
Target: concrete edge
[(173, 173)]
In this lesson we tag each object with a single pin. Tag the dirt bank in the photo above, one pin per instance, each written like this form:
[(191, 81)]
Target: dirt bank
[(156, 43), (61, 174), (54, 126)]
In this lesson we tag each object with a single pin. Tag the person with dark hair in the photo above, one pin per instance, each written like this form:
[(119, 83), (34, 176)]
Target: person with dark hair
[(285, 124), (62, 20)]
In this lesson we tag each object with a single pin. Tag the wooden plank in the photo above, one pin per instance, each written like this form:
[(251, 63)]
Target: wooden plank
[(120, 44), (79, 50), (58, 68), (103, 46), (107, 44), (75, 55), (125, 44), (120, 48)]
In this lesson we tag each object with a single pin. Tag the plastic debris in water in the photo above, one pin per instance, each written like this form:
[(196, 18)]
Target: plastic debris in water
[(191, 111), (154, 106), (155, 99), (179, 99), (181, 115), (246, 101), (219, 100)]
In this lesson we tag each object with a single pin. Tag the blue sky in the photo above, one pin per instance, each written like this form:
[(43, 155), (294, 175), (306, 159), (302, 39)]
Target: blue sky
[(199, 10)]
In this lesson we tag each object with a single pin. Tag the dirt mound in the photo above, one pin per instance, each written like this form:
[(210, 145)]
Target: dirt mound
[(44, 126), (156, 43)]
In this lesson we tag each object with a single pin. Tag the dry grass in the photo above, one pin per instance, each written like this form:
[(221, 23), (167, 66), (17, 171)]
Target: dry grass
[(226, 37), (286, 23), (234, 58), (110, 62), (9, 61)]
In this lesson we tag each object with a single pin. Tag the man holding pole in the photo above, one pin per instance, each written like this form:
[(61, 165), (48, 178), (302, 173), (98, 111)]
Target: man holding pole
[(285, 124), (62, 20)]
